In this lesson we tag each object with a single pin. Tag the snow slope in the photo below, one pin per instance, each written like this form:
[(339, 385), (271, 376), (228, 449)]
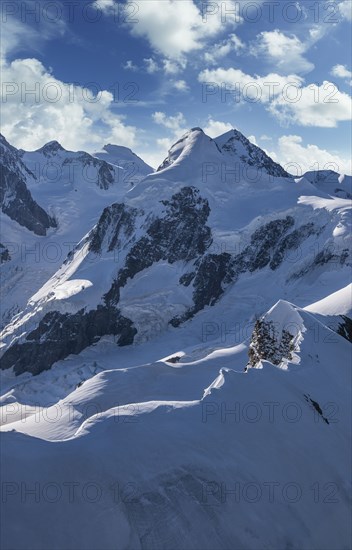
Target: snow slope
[(134, 167), (155, 446)]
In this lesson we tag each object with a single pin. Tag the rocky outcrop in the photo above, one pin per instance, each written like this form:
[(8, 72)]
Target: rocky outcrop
[(180, 234), (328, 255), (4, 254), (236, 144), (270, 344), (96, 170), (116, 221), (345, 328), (292, 242), (214, 272), (59, 335), (15, 199)]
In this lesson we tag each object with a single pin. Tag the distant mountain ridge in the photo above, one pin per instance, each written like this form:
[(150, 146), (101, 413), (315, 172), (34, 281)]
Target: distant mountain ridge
[(180, 220)]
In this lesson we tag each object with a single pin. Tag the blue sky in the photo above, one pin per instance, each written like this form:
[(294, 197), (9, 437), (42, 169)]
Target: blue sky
[(140, 74)]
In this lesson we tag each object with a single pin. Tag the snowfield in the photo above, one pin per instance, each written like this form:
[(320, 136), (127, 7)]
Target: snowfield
[(181, 378)]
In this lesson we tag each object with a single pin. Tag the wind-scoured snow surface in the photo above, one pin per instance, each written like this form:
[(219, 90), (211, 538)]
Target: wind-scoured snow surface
[(181, 379)]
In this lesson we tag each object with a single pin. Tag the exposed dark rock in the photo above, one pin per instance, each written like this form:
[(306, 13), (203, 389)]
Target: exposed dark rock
[(214, 272), (115, 219), (345, 328), (59, 335), (99, 171), (187, 278), (51, 148), (269, 343), (174, 359), (326, 256), (15, 199), (213, 275), (316, 406), (292, 242), (180, 235), (255, 156), (4, 254), (263, 242)]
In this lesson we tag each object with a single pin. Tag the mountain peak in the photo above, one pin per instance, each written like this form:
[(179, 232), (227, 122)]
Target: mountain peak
[(124, 157), (193, 144), (51, 147), (236, 145), (112, 148)]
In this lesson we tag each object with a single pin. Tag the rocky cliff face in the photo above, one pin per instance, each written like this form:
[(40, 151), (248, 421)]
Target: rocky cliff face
[(15, 198), (59, 335), (236, 145)]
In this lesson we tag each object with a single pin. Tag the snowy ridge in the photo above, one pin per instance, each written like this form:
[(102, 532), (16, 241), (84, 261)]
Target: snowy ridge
[(179, 403), (123, 157)]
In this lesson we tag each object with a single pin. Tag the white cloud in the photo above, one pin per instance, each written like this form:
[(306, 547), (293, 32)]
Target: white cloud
[(252, 139), (16, 35), (176, 125), (171, 122), (290, 149), (71, 114), (235, 84), (264, 137), (151, 65), (215, 128), (341, 71), (345, 9), (106, 6), (174, 67), (222, 49), (129, 65), (175, 30), (285, 97), (321, 106), (181, 85), (287, 52)]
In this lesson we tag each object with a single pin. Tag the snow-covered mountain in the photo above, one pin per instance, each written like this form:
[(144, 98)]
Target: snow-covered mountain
[(214, 289), (332, 183), (134, 167), (15, 198), (72, 189), (239, 147)]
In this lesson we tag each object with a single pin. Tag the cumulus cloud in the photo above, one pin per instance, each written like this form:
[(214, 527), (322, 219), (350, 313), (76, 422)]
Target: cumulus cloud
[(174, 67), (106, 6), (285, 97), (341, 71), (286, 51), (215, 128), (291, 149), (345, 9), (174, 31), (37, 107), (321, 106), (151, 65), (224, 48), (174, 123), (130, 66), (181, 85)]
